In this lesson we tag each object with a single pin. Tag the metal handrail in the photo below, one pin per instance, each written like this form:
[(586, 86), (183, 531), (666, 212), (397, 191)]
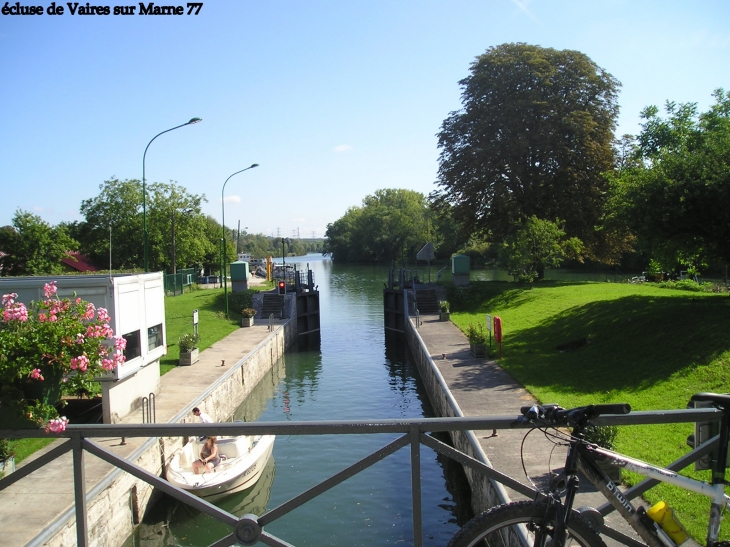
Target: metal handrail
[(249, 528)]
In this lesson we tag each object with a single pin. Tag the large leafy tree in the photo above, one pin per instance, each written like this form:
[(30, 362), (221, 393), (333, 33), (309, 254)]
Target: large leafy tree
[(174, 225), (32, 246), (391, 224), (116, 213), (533, 137), (674, 195)]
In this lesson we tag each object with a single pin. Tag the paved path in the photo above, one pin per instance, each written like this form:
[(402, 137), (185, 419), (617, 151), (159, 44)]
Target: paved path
[(480, 387), (33, 503)]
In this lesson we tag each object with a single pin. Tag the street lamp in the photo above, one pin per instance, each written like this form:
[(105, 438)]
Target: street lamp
[(144, 191), (283, 258), (224, 251)]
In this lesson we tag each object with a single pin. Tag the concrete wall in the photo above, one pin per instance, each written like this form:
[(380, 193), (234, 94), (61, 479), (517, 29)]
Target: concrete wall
[(121, 397), (485, 493), (119, 502)]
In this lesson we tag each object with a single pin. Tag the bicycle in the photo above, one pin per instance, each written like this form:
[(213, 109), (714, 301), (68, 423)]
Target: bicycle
[(551, 521)]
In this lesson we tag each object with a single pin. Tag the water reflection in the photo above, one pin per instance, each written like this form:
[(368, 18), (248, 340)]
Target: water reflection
[(354, 373)]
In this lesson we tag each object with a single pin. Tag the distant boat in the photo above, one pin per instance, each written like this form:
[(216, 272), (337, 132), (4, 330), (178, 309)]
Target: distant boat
[(244, 459)]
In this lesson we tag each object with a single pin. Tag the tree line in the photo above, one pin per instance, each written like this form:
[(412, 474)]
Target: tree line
[(110, 234), (531, 174)]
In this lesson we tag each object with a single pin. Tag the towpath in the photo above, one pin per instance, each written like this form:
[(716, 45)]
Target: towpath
[(481, 387)]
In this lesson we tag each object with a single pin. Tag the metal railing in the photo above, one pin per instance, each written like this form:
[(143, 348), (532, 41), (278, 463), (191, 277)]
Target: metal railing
[(248, 529)]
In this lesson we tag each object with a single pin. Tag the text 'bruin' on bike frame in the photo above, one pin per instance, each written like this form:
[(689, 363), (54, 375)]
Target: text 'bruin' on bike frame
[(551, 521)]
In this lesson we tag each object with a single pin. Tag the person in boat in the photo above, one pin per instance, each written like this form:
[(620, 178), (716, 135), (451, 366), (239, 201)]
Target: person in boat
[(209, 457)]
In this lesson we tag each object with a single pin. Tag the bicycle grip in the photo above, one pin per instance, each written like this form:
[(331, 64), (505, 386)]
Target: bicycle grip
[(615, 408)]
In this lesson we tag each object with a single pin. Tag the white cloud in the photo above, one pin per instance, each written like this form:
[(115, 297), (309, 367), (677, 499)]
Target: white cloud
[(343, 148), (232, 199)]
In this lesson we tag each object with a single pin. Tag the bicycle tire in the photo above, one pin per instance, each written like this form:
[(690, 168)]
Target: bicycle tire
[(497, 528)]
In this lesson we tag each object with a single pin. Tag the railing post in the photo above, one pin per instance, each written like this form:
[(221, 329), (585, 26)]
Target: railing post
[(80, 491), (416, 485)]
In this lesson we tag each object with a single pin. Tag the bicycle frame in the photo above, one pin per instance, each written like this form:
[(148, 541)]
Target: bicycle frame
[(581, 457)]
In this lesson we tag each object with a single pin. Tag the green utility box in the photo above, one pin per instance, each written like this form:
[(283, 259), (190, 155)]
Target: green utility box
[(460, 266), (239, 276)]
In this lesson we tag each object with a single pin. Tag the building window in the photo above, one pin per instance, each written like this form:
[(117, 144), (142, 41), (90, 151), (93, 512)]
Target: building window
[(132, 351), (154, 337)]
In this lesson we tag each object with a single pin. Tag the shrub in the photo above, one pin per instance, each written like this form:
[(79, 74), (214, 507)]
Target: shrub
[(188, 342), (476, 334), (602, 435), (241, 300), (248, 312), (687, 285), (5, 451)]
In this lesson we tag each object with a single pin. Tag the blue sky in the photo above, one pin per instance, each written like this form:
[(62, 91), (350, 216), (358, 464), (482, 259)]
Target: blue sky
[(334, 99)]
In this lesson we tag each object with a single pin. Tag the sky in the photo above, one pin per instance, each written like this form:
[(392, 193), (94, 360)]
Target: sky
[(333, 99)]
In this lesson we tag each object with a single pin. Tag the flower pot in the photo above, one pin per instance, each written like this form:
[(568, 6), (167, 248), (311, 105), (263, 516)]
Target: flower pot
[(189, 357), (247, 321), (444, 316), (7, 466), (478, 350)]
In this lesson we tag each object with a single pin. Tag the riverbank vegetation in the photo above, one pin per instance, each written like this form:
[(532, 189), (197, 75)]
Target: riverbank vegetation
[(534, 146), (581, 343), (110, 234)]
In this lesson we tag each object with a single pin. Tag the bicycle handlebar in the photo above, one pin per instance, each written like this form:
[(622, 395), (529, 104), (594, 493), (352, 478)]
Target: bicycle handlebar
[(557, 415)]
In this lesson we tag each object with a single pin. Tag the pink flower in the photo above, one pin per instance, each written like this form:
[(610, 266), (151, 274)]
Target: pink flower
[(36, 374), (9, 299), (42, 317), (102, 315), (57, 425), (80, 339), (49, 289), (120, 342), (15, 312), (81, 363), (90, 311)]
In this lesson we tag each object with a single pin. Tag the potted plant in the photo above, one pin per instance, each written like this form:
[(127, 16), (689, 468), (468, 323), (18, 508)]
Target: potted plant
[(7, 458), (605, 437), (444, 314), (477, 340), (247, 319), (189, 352)]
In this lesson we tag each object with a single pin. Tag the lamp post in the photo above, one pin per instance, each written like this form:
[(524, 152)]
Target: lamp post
[(224, 252), (144, 191), (283, 257)]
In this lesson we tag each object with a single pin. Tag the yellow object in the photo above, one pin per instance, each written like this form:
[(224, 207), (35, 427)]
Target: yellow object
[(663, 515)]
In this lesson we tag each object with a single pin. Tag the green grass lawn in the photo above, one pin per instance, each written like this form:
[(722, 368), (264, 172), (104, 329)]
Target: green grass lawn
[(647, 346), (212, 324)]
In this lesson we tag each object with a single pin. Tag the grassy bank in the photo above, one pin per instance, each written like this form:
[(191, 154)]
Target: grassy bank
[(577, 344)]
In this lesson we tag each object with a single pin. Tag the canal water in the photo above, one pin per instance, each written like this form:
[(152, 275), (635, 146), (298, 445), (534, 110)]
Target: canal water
[(355, 373)]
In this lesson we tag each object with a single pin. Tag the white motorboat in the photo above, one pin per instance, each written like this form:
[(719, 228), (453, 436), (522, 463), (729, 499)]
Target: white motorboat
[(244, 458)]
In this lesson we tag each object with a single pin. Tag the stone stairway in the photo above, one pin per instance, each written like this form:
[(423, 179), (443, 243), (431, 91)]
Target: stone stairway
[(271, 305), (428, 303)]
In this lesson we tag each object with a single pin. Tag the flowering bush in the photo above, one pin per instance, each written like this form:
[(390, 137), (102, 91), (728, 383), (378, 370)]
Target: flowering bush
[(51, 346), (248, 312)]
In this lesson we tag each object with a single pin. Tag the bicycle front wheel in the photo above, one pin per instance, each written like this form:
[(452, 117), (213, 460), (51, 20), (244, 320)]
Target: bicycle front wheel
[(522, 524)]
